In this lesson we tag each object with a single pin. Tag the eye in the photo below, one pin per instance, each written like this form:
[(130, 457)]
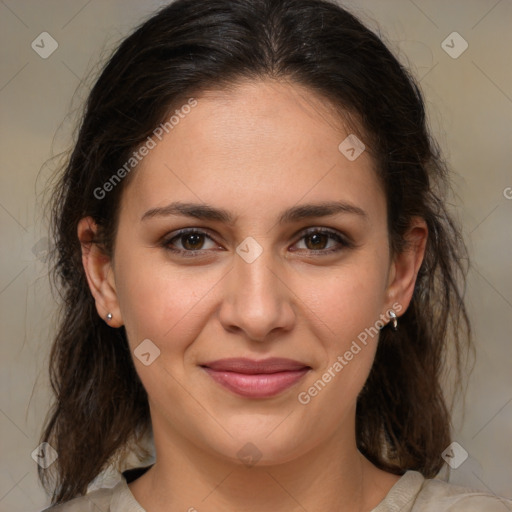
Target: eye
[(191, 241), (316, 241)]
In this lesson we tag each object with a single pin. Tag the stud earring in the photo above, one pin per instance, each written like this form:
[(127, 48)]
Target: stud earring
[(394, 321), (109, 316)]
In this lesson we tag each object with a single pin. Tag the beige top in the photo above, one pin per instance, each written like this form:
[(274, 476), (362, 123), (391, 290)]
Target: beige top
[(412, 493)]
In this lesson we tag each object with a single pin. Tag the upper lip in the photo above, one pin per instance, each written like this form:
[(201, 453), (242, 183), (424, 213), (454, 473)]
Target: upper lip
[(250, 366)]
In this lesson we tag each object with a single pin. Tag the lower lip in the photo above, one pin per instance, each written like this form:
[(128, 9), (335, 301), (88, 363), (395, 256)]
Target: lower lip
[(258, 385)]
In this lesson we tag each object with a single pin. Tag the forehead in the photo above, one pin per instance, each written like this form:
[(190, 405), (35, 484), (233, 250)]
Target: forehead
[(258, 143)]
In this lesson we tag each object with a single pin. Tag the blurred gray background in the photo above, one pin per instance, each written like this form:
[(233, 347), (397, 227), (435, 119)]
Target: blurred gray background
[(469, 100)]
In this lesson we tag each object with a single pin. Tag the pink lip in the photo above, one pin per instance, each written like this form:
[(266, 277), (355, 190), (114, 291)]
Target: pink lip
[(256, 379)]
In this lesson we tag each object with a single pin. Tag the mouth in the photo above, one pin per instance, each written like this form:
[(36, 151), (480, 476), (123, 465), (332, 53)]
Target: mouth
[(256, 379)]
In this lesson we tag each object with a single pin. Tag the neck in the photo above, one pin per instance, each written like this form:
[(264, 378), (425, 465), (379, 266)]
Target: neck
[(186, 477)]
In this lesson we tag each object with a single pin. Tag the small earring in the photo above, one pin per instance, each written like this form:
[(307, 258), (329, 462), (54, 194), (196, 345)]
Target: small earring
[(109, 316), (394, 320)]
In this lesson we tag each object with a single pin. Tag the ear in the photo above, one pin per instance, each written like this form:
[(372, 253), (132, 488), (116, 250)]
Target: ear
[(99, 272), (405, 266)]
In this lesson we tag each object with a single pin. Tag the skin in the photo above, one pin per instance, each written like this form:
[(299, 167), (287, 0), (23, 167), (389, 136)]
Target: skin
[(255, 150)]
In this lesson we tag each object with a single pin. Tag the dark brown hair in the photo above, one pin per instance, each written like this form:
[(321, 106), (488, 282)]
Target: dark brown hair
[(101, 409)]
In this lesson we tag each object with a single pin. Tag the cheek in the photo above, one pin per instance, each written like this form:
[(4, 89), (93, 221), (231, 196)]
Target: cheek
[(161, 302), (350, 308), (352, 300)]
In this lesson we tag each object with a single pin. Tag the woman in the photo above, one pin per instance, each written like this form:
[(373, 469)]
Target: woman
[(258, 270)]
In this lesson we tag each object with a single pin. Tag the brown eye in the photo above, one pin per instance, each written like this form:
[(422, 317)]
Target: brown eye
[(192, 241), (318, 241), (188, 241)]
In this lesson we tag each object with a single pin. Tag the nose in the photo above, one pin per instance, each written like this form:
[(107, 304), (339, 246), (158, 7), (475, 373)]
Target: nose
[(257, 301)]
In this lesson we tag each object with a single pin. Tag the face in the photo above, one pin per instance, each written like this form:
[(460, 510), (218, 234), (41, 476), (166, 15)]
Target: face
[(285, 255)]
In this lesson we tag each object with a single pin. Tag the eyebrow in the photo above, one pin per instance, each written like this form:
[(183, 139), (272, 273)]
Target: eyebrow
[(293, 214)]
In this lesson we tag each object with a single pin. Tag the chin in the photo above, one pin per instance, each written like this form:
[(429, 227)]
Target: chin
[(261, 449)]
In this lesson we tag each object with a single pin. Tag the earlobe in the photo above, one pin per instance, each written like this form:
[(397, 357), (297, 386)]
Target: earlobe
[(99, 273), (406, 264)]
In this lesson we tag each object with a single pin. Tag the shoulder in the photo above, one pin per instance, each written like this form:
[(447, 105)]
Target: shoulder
[(439, 496), (414, 493), (99, 499), (116, 498)]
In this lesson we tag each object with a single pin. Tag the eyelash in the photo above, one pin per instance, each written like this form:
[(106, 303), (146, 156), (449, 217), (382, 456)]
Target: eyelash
[(166, 243)]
